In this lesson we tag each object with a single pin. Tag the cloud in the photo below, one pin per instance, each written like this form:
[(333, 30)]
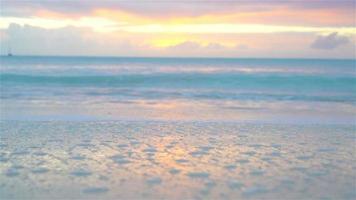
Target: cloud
[(215, 46), (189, 46), (316, 12), (31, 40), (73, 41), (330, 41), (168, 6)]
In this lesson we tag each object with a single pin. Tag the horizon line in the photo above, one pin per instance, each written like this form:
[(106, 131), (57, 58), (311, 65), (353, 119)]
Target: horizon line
[(181, 57)]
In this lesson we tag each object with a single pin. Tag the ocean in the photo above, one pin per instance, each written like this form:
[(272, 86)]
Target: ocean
[(177, 128), (210, 89)]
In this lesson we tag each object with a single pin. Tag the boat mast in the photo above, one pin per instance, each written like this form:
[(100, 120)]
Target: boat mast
[(9, 51)]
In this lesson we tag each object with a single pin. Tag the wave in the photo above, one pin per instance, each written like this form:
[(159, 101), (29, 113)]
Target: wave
[(146, 70), (109, 66), (232, 81)]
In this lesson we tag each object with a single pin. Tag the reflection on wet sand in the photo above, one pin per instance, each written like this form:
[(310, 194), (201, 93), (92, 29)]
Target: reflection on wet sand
[(98, 109), (175, 160)]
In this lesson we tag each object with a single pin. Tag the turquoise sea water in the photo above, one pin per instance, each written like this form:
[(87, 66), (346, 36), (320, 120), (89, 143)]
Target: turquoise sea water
[(273, 86)]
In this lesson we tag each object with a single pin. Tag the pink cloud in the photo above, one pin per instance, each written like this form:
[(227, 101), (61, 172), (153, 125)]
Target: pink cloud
[(318, 12)]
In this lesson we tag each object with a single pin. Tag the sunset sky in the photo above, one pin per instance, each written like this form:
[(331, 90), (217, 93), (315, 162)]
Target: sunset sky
[(197, 28)]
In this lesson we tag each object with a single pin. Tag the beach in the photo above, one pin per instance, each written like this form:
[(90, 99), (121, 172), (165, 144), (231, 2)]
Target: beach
[(177, 128), (175, 160)]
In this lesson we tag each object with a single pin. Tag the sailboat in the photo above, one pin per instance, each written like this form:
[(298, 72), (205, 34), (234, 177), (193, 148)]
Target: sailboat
[(9, 52)]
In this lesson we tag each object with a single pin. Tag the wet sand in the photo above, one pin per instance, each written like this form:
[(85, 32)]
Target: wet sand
[(176, 160)]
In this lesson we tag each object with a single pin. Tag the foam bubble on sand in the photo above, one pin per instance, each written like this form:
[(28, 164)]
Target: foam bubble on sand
[(208, 186), (150, 150), (3, 159), (55, 140), (134, 142), (275, 154), (277, 146), (39, 162), (198, 153), (103, 178), (20, 153), (300, 169), (122, 146), (305, 157), (174, 171), (201, 175), (249, 153), (242, 161), (181, 161), (120, 159), (174, 143), (11, 172), (230, 167), (257, 172), (78, 157), (326, 150), (39, 170), (86, 145), (205, 148), (287, 182), (95, 190), (254, 190), (234, 184), (205, 191), (169, 146), (150, 154), (256, 146), (17, 166), (80, 173), (317, 173), (267, 159), (154, 181), (39, 153), (129, 153), (350, 195)]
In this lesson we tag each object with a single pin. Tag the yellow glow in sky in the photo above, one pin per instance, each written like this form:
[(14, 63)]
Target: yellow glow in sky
[(166, 42), (98, 24), (232, 28)]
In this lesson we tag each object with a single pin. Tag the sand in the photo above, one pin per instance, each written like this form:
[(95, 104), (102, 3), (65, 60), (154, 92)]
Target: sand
[(176, 160)]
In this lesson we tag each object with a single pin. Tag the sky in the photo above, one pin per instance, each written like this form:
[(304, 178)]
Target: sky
[(182, 28)]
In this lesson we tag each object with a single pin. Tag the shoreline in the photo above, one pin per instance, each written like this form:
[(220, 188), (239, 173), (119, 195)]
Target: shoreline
[(237, 122)]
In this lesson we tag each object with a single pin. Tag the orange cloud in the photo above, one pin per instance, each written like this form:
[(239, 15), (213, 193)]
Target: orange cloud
[(122, 16), (49, 14)]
